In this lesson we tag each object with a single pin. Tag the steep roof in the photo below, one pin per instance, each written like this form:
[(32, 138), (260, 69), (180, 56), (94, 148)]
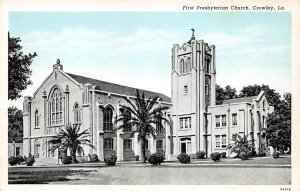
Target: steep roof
[(116, 88), (237, 100)]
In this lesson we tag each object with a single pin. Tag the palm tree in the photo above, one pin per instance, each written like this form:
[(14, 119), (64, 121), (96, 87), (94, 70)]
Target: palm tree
[(71, 138), (241, 144), (144, 116)]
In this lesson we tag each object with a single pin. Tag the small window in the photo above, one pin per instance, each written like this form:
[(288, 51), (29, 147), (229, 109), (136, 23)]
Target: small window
[(220, 121), (206, 89), (218, 141), (234, 119), (185, 89), (224, 145), (223, 120), (36, 119), (18, 149), (185, 123), (108, 144), (77, 114), (234, 136)]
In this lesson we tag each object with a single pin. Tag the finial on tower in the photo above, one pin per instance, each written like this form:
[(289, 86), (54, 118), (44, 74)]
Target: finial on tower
[(193, 31)]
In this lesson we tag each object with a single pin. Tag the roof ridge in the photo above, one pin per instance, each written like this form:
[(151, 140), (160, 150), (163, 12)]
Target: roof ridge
[(115, 84)]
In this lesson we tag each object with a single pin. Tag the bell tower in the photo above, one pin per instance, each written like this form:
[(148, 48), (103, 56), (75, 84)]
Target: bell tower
[(193, 90)]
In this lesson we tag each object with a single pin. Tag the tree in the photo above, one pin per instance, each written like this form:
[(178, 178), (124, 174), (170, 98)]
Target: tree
[(241, 144), (70, 138), (144, 116), (253, 90), (18, 68), (278, 132), (227, 93), (15, 125)]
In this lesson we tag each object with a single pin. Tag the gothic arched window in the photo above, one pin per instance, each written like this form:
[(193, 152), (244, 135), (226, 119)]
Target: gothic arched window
[(181, 65), (159, 126), (127, 116), (188, 65), (56, 107), (107, 121), (77, 116)]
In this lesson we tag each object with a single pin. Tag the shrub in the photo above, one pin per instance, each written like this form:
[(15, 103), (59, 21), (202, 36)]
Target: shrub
[(94, 158), (137, 157), (215, 156), (184, 158), (263, 154), (200, 154), (243, 156), (110, 159), (156, 158), (20, 159), (12, 160), (30, 161), (275, 155), (66, 159), (223, 155)]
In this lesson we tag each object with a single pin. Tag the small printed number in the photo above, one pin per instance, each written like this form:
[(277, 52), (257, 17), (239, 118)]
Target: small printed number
[(285, 189)]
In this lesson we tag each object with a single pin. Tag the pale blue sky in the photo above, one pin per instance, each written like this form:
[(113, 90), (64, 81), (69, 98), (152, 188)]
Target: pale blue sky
[(134, 48)]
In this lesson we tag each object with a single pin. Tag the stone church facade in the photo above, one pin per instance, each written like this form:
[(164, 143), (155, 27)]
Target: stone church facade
[(198, 122)]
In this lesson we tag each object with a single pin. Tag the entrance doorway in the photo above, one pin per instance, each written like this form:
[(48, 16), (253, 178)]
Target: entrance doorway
[(185, 145)]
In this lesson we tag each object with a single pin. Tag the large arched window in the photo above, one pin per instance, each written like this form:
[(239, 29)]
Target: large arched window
[(127, 116), (159, 126), (107, 121), (56, 107), (36, 119), (77, 116)]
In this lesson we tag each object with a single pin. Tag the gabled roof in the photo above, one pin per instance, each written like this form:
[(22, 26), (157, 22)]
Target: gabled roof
[(237, 100), (116, 88)]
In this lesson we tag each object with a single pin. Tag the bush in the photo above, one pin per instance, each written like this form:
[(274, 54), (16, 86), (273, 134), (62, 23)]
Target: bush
[(156, 158), (110, 159), (20, 159), (243, 156), (223, 155), (263, 154), (66, 159), (12, 160), (184, 158), (30, 161), (215, 156), (275, 155), (94, 158), (200, 154), (137, 157)]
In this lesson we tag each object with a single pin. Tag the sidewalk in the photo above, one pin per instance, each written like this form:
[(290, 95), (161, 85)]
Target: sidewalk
[(224, 162)]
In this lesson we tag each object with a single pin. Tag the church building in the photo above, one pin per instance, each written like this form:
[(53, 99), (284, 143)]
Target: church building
[(197, 121)]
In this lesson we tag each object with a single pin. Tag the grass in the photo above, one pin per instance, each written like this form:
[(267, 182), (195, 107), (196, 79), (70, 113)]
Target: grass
[(42, 176)]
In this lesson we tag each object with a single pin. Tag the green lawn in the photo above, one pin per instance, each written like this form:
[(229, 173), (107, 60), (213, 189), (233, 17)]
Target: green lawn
[(43, 176)]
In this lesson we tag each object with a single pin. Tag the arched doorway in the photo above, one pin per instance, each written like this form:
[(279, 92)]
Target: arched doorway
[(185, 145), (37, 148)]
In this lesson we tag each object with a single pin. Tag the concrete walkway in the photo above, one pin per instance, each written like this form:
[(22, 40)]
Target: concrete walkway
[(225, 162)]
